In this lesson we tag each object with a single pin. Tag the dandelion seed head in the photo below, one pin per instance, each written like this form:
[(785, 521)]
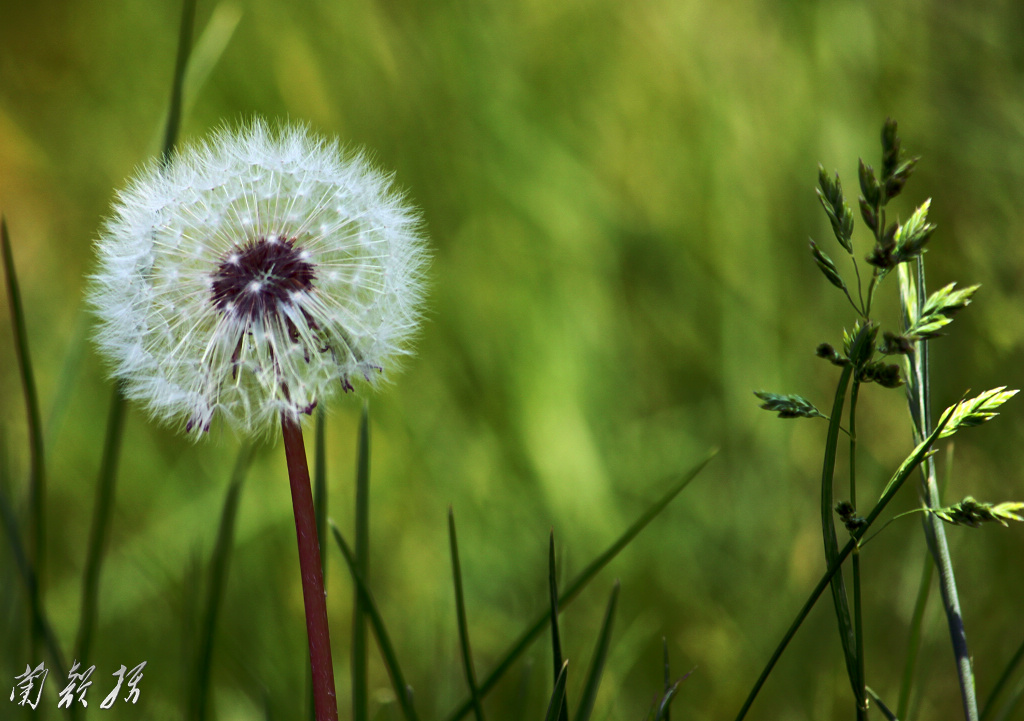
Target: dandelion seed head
[(255, 274)]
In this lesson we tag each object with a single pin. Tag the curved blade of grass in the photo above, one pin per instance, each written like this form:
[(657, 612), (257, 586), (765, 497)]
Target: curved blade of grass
[(1001, 683), (71, 365), (402, 690), (39, 619), (360, 683), (218, 576), (578, 584), (209, 48), (556, 640), (1011, 704), (101, 512), (188, 19), (558, 694), (37, 474), (914, 642), (828, 527), (593, 680), (916, 457), (460, 612)]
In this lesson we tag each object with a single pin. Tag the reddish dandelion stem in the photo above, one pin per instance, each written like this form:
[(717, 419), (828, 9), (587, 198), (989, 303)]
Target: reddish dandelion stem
[(324, 696)]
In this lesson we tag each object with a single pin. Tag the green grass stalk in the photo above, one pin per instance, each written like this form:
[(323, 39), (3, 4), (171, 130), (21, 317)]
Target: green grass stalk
[(37, 473), (219, 561), (403, 692), (99, 533), (919, 396), (360, 675), (460, 612)]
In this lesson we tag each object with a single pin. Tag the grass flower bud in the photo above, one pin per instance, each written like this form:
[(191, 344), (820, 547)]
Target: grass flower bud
[(253, 276)]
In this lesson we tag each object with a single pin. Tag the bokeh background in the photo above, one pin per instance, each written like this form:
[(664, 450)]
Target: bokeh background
[(618, 197)]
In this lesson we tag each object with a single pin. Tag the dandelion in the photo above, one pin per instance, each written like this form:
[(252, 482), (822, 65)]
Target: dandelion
[(253, 275), (249, 279)]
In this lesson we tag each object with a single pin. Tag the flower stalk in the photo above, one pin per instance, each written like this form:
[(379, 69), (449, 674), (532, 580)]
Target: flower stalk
[(313, 594)]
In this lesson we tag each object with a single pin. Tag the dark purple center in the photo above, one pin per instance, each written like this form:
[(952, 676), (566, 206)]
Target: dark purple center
[(253, 281)]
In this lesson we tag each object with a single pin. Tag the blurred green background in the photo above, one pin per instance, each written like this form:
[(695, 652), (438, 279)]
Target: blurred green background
[(618, 197)]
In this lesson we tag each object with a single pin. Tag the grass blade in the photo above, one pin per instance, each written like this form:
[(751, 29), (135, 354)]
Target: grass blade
[(460, 612), (39, 619), (520, 645), (828, 527), (188, 18), (360, 683), (593, 681), (556, 640), (37, 474), (557, 694), (105, 485), (1004, 678), (402, 690), (215, 585)]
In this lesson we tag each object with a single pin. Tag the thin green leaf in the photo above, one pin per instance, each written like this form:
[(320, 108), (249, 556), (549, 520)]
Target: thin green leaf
[(188, 18), (556, 640), (105, 486), (39, 619), (219, 562), (1001, 683), (403, 692), (828, 528), (593, 680), (37, 472), (460, 612), (520, 645), (557, 700), (209, 48), (360, 673)]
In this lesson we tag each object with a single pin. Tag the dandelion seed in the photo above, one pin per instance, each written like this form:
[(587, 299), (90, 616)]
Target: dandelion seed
[(254, 276)]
